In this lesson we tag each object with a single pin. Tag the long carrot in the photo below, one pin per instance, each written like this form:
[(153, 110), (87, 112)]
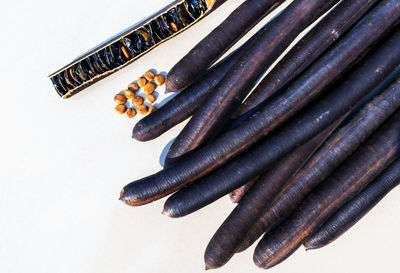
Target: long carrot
[(312, 83), (254, 161), (316, 118), (337, 148), (225, 241), (183, 105), (205, 53), (342, 185), (240, 79), (307, 50), (357, 208)]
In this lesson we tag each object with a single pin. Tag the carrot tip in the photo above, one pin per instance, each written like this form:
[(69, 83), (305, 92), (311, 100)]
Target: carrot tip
[(308, 248), (167, 212), (171, 86), (168, 86), (121, 195)]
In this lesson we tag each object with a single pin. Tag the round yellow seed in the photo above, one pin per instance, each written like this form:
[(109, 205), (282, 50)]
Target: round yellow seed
[(149, 76), (129, 94), (137, 100), (159, 80), (131, 112), (152, 109), (125, 52), (174, 27), (133, 87), (150, 99), (149, 88), (120, 99), (143, 109), (120, 108), (142, 81)]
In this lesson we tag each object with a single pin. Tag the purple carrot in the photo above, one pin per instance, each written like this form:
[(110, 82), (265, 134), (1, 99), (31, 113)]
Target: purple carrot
[(304, 90), (307, 50), (213, 46), (341, 186), (240, 79), (229, 236), (348, 215), (342, 143)]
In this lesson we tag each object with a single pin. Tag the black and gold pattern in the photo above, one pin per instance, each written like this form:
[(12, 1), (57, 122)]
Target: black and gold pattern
[(129, 46)]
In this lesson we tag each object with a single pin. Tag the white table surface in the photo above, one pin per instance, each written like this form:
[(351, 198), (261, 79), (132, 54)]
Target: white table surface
[(64, 162)]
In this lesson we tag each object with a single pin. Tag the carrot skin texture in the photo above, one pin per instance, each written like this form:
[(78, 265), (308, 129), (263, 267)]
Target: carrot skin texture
[(307, 50), (298, 131), (370, 73), (183, 105), (232, 143), (214, 45), (343, 184), (246, 166), (352, 212), (238, 194), (230, 234), (240, 79)]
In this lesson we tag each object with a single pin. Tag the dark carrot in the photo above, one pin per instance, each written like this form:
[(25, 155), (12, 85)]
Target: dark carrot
[(312, 121), (238, 194), (336, 149), (253, 162), (342, 185), (240, 79), (307, 50), (230, 144), (213, 46), (357, 208), (183, 105), (230, 234)]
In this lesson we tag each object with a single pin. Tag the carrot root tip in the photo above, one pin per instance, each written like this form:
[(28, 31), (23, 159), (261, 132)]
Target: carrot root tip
[(308, 248), (172, 86), (167, 212), (121, 195)]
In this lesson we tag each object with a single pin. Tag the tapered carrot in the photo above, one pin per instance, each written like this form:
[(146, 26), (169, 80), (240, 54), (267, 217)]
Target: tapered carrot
[(312, 121), (240, 79), (342, 185), (183, 105), (311, 84), (213, 46), (238, 194), (228, 237), (337, 148), (348, 215), (251, 163), (307, 50)]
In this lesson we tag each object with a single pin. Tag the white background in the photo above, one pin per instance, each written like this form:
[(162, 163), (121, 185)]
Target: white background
[(64, 162)]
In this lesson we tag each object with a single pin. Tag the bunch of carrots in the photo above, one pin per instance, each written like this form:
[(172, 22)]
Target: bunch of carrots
[(307, 150)]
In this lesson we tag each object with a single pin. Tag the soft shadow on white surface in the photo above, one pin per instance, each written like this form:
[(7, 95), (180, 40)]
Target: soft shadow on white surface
[(165, 152)]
